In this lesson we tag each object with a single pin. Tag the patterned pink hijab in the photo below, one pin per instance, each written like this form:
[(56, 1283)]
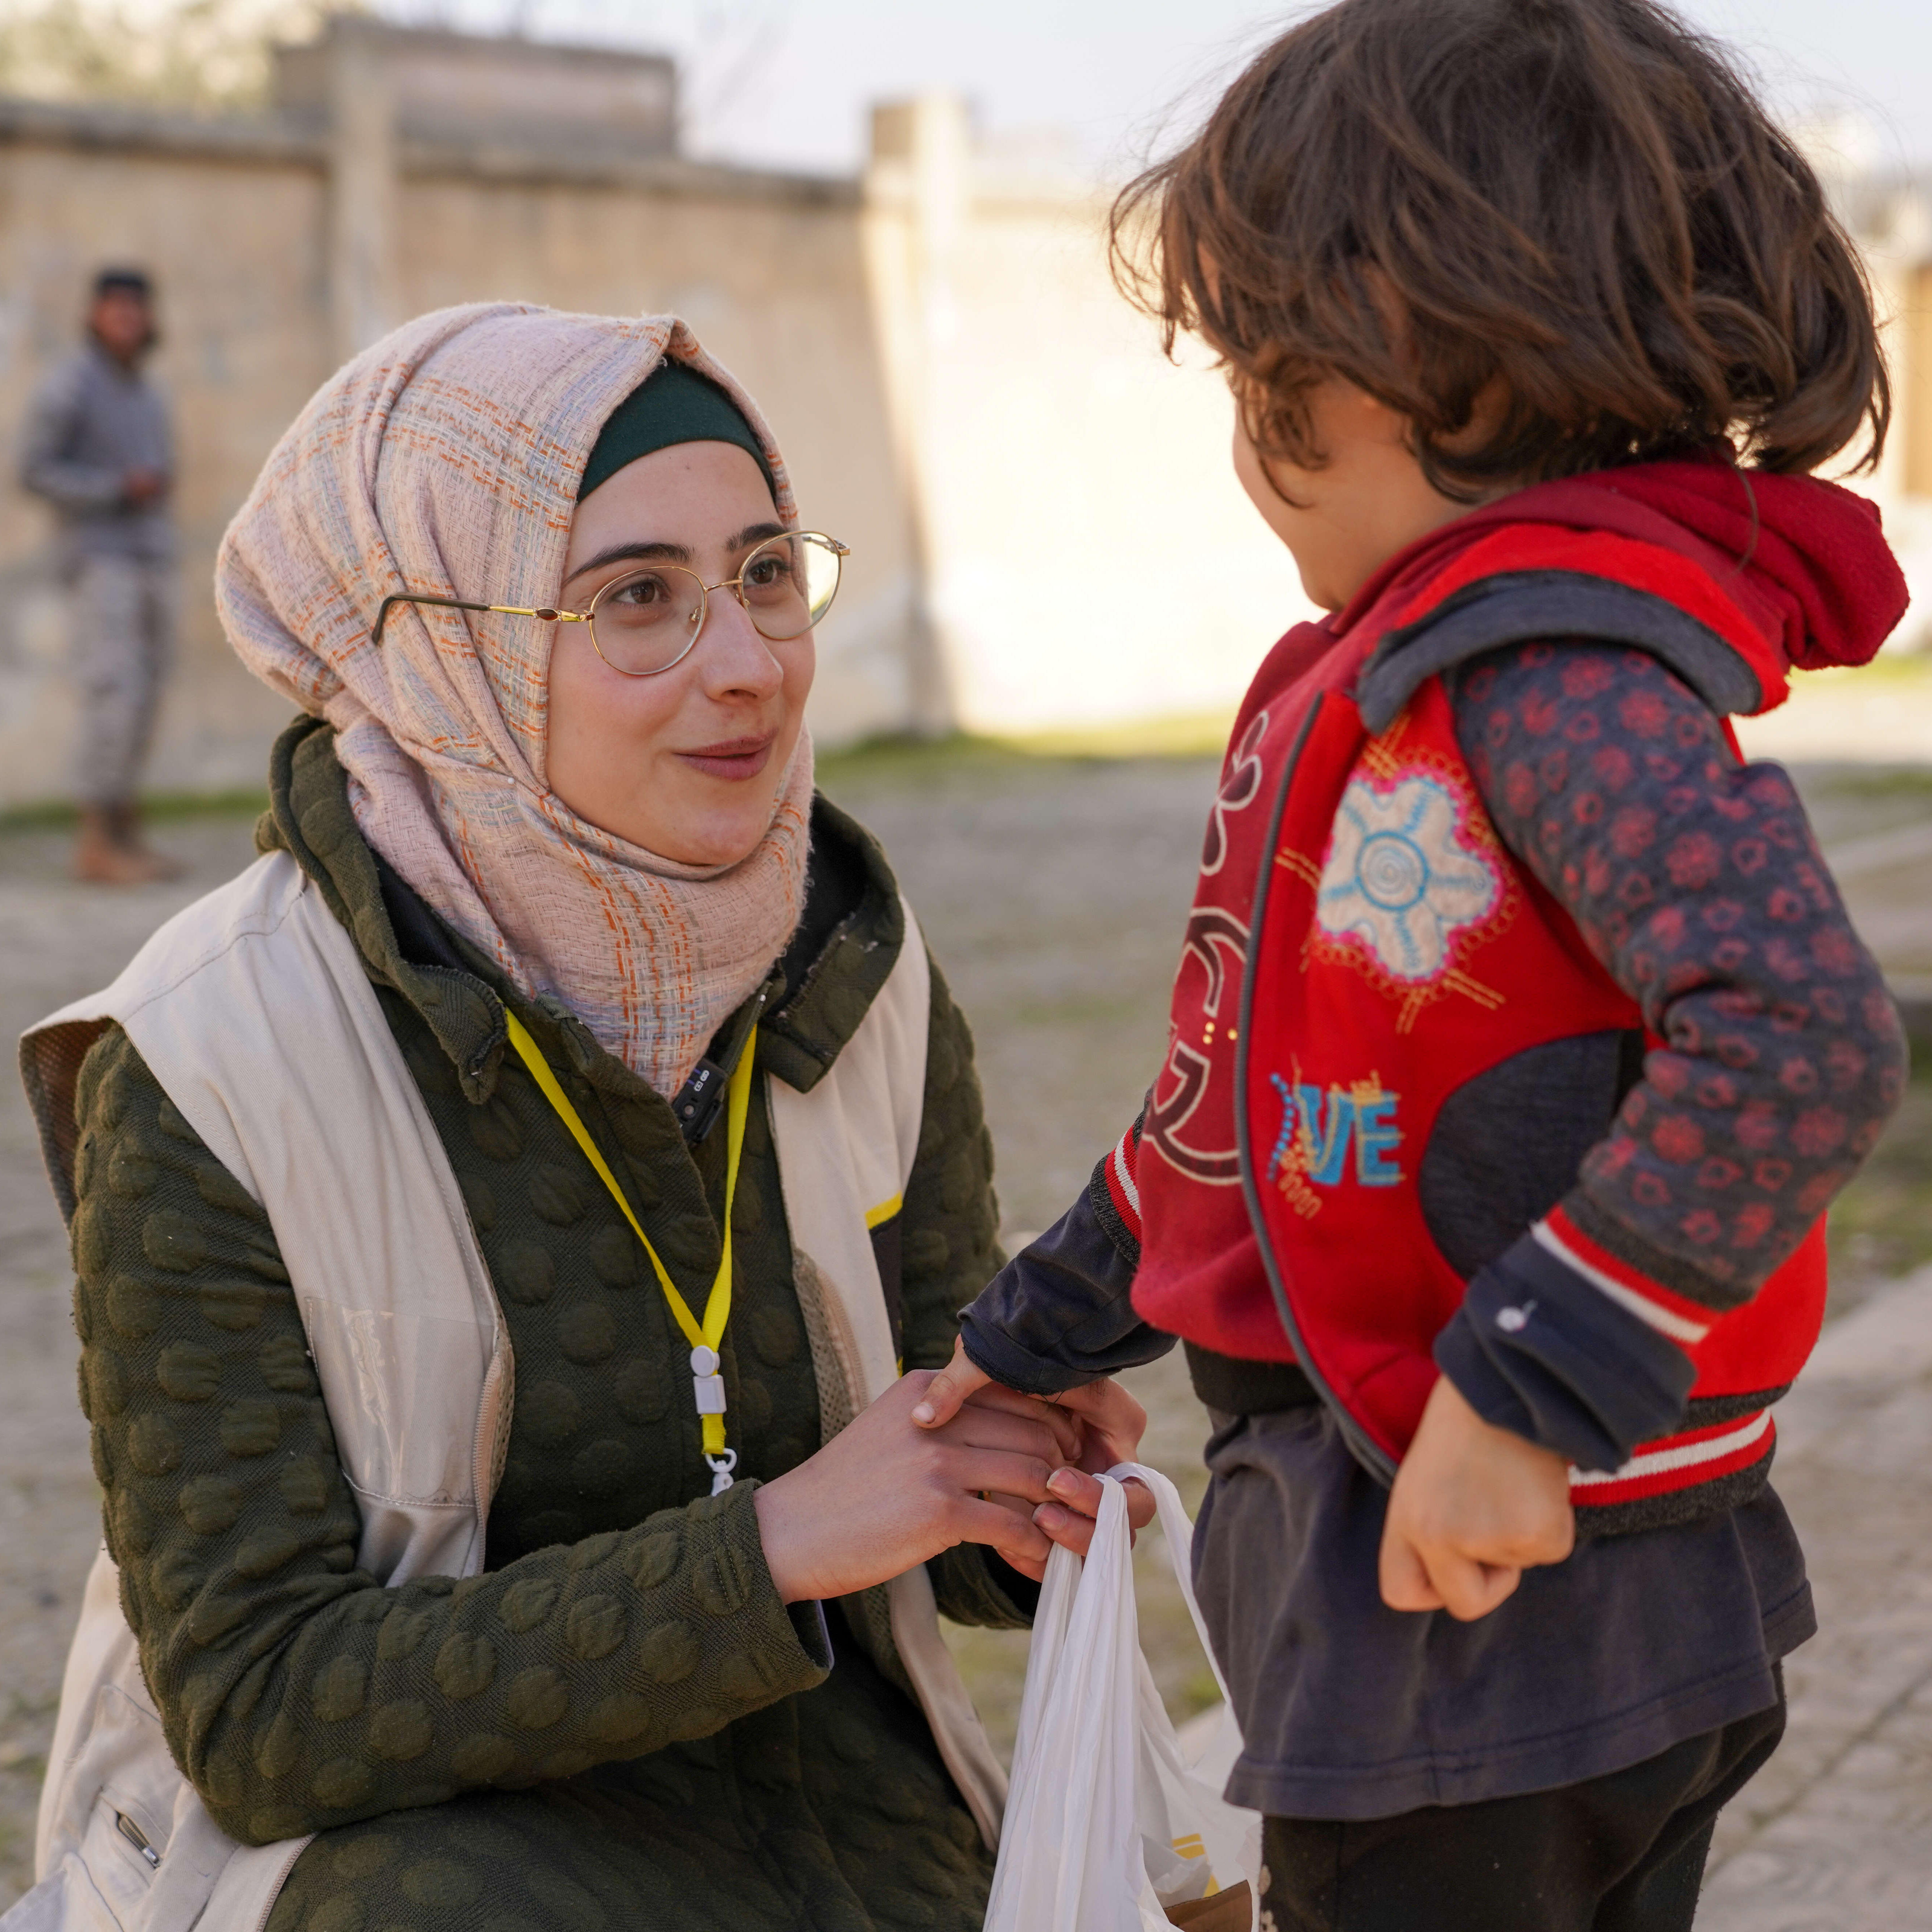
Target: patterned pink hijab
[(446, 459)]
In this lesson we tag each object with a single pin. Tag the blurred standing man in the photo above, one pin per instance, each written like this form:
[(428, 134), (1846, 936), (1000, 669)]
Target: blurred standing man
[(97, 447)]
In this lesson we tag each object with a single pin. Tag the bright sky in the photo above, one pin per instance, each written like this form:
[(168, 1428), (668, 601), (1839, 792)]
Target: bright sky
[(788, 82)]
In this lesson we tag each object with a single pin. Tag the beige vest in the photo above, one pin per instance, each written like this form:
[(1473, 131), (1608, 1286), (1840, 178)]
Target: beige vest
[(253, 1011)]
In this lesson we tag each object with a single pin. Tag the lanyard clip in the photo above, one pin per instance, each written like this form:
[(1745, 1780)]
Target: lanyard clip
[(721, 1466), (701, 1099), (707, 1385)]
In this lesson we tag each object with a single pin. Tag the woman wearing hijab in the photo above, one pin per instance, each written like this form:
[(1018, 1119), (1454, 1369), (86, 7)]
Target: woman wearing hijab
[(500, 1215)]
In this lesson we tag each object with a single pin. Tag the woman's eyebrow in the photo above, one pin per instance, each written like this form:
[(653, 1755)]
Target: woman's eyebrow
[(640, 553), (671, 552)]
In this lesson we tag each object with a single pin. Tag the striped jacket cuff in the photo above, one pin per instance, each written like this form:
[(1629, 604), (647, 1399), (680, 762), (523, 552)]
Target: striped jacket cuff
[(1113, 1195), (1685, 1321)]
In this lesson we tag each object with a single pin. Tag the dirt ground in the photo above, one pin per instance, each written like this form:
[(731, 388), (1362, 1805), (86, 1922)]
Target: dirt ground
[(1053, 892)]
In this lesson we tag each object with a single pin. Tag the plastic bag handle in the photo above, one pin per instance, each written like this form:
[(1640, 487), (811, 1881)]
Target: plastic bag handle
[(1179, 1533)]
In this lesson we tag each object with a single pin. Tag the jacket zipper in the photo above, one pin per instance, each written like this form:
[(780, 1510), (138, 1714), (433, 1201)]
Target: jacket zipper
[(296, 1847), (1366, 1450), (138, 1838)]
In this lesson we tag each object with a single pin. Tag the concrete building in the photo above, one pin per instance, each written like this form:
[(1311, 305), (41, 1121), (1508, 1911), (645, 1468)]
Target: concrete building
[(1044, 529)]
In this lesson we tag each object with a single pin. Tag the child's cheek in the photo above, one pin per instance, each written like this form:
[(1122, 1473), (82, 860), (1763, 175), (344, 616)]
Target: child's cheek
[(1265, 491)]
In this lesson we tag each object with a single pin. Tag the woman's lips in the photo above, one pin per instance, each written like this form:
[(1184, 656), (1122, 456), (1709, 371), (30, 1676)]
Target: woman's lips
[(734, 758)]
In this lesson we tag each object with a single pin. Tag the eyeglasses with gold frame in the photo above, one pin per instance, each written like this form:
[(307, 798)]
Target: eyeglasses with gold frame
[(645, 622)]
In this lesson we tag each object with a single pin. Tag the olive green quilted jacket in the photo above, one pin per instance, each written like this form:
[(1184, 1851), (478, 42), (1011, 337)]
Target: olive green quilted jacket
[(616, 1616)]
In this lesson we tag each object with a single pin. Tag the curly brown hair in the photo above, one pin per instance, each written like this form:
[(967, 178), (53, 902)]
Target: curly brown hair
[(1577, 210)]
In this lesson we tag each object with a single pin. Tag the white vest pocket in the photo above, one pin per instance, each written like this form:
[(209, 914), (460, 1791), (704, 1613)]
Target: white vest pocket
[(133, 1816)]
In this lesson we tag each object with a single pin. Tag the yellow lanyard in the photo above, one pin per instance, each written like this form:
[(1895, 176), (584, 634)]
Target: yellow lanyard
[(707, 1384)]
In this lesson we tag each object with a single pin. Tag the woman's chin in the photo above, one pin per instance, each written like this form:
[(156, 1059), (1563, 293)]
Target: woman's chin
[(712, 839), (684, 818), (718, 854)]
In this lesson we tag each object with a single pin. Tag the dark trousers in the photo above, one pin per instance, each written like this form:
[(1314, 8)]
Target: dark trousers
[(1623, 1853)]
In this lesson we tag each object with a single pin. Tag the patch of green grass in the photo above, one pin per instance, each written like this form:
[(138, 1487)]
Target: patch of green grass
[(1187, 735), (894, 756), (902, 755), (1872, 781), (1896, 667), (57, 815)]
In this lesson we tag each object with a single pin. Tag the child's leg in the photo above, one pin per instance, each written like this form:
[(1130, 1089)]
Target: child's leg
[(1660, 1895), (1620, 1853)]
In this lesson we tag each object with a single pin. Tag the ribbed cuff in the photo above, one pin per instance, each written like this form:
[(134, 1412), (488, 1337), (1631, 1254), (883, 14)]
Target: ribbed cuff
[(992, 1353)]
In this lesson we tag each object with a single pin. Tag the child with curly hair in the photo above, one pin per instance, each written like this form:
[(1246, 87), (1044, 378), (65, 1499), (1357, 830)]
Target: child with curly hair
[(1520, 1039)]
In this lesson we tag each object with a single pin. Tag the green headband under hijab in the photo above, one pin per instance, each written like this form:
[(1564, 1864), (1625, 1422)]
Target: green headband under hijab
[(673, 404)]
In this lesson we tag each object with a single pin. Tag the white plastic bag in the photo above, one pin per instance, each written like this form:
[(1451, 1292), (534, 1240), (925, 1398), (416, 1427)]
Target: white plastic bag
[(1106, 1824)]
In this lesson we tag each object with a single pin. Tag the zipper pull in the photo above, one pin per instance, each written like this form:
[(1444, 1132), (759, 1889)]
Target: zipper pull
[(138, 1838), (699, 1101)]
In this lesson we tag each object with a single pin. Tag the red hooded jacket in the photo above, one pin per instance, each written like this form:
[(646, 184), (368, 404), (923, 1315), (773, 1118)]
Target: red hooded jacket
[(1362, 944)]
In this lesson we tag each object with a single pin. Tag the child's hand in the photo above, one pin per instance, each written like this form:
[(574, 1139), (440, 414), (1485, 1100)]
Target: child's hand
[(948, 1388), (1473, 1507)]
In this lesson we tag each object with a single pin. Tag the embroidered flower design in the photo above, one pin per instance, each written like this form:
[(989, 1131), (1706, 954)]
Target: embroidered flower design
[(1399, 878)]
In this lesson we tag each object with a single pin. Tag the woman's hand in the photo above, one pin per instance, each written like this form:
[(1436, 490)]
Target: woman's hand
[(1072, 1518), (1111, 1422), (1473, 1507), (885, 1493)]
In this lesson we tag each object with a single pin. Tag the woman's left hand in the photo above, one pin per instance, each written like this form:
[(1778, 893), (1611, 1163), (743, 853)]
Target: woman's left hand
[(1111, 1425)]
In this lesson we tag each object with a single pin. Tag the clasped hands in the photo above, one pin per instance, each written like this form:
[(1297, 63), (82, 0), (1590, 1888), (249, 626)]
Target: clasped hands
[(947, 1458), (952, 1457)]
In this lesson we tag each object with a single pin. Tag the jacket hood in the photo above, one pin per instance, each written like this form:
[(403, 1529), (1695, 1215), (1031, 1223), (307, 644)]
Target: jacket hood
[(1804, 561)]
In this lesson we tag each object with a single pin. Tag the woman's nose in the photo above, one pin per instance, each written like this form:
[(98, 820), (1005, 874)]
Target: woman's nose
[(732, 654)]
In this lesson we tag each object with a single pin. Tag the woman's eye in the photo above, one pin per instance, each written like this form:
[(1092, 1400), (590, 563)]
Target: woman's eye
[(643, 590), (766, 572)]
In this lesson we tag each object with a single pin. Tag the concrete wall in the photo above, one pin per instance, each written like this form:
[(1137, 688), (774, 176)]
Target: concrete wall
[(1046, 532), (1897, 238), (241, 228), (1089, 555), (1044, 529)]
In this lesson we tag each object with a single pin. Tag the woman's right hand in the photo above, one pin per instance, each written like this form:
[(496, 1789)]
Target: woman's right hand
[(885, 1494)]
